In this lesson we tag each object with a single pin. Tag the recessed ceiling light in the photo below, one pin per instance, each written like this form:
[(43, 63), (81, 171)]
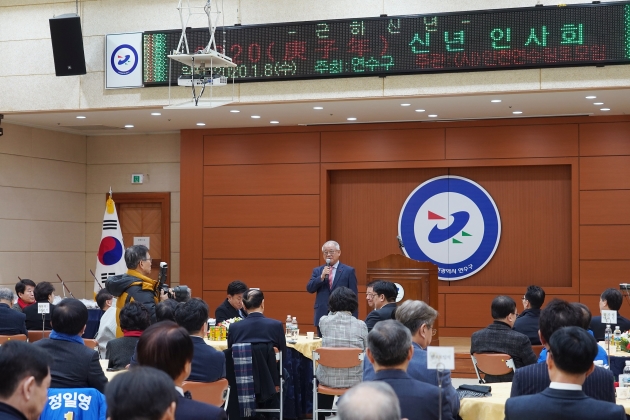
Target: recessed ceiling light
[(495, 101), (318, 107), (605, 109), (405, 104), (235, 111), (129, 126), (81, 117), (598, 103), (432, 115), (517, 112), (156, 113), (274, 122), (352, 119), (419, 110), (201, 124), (255, 116), (591, 97)]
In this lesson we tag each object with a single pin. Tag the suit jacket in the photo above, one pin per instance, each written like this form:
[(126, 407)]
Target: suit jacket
[(417, 369), (418, 400), (188, 409), (226, 311), (498, 337), (8, 412), (344, 276), (74, 365), (599, 329), (119, 351), (34, 320), (256, 328), (12, 322), (533, 379), (208, 364), (553, 404), (527, 323), (382, 314)]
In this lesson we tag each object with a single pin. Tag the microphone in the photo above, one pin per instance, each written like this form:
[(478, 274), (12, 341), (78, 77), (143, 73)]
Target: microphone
[(400, 243), (327, 265)]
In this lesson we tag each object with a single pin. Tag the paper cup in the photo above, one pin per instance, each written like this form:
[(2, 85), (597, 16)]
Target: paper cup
[(310, 335)]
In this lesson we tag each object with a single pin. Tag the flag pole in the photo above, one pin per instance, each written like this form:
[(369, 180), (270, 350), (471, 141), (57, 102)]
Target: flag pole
[(97, 282)]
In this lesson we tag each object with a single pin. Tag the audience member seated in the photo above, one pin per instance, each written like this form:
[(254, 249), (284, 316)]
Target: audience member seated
[(165, 310), (256, 328), (527, 321), (24, 381), (25, 290), (610, 300), (74, 365), (419, 318), (499, 337), (144, 393), (134, 319), (569, 363), (44, 293), (389, 351), (11, 322), (232, 307), (535, 378), (369, 295), (340, 329), (369, 401), (208, 364), (384, 300), (168, 347), (108, 325)]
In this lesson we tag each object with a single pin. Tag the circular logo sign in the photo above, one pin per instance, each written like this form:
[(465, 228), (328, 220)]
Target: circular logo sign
[(452, 222), (401, 292), (109, 251), (124, 59)]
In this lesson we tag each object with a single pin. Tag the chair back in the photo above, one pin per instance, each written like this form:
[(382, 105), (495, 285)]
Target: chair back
[(492, 364), (537, 349), (215, 393), (338, 357), (17, 337), (35, 335), (91, 343)]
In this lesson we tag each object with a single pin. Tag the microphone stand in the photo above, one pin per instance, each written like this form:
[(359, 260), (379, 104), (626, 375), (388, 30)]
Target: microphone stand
[(65, 288), (400, 245)]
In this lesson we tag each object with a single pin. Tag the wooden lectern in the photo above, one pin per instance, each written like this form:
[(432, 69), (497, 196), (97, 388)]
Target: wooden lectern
[(418, 279)]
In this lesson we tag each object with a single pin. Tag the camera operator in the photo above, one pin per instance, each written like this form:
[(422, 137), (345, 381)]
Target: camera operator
[(135, 285)]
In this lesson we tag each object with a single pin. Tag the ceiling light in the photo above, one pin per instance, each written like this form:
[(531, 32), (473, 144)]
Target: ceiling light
[(81, 117), (255, 116), (432, 115), (605, 109), (495, 101), (352, 119), (419, 110), (235, 111), (156, 113), (129, 126), (274, 122), (517, 112), (405, 104), (598, 103), (591, 97), (201, 124), (318, 107)]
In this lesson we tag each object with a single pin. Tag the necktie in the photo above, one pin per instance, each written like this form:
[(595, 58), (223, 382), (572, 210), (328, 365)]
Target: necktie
[(330, 277)]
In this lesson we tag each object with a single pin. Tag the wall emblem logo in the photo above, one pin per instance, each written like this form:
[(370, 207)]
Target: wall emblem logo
[(452, 222), (124, 59)]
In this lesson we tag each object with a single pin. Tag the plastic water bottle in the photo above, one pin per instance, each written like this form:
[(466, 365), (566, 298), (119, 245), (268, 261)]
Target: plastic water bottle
[(607, 335), (288, 326), (624, 380), (295, 331), (617, 335)]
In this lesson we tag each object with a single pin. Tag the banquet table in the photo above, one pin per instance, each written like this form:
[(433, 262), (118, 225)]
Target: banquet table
[(109, 374), (492, 408), (304, 346)]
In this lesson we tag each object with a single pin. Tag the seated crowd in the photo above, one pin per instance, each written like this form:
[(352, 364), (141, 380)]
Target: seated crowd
[(165, 348)]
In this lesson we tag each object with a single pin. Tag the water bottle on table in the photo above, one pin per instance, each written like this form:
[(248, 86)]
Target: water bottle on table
[(608, 336), (288, 327), (617, 337), (295, 331)]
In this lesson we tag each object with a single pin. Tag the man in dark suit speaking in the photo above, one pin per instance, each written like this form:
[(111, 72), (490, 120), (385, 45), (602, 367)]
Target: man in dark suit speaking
[(328, 277), (569, 361)]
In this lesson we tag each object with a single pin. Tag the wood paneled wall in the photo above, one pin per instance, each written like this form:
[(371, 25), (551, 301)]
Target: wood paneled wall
[(257, 204)]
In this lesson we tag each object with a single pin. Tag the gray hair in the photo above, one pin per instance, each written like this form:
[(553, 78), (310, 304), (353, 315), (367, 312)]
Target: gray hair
[(6, 294), (134, 254), (372, 400), (414, 313), (389, 342), (335, 244)]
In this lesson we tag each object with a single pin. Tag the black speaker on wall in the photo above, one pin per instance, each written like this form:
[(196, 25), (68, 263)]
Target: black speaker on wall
[(67, 44)]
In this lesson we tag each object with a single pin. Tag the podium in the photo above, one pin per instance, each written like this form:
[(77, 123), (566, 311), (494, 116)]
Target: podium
[(419, 280)]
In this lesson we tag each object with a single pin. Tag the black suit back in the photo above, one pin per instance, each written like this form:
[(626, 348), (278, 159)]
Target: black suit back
[(12, 322), (194, 410)]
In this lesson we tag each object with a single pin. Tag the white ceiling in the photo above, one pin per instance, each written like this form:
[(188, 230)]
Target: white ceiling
[(333, 112)]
